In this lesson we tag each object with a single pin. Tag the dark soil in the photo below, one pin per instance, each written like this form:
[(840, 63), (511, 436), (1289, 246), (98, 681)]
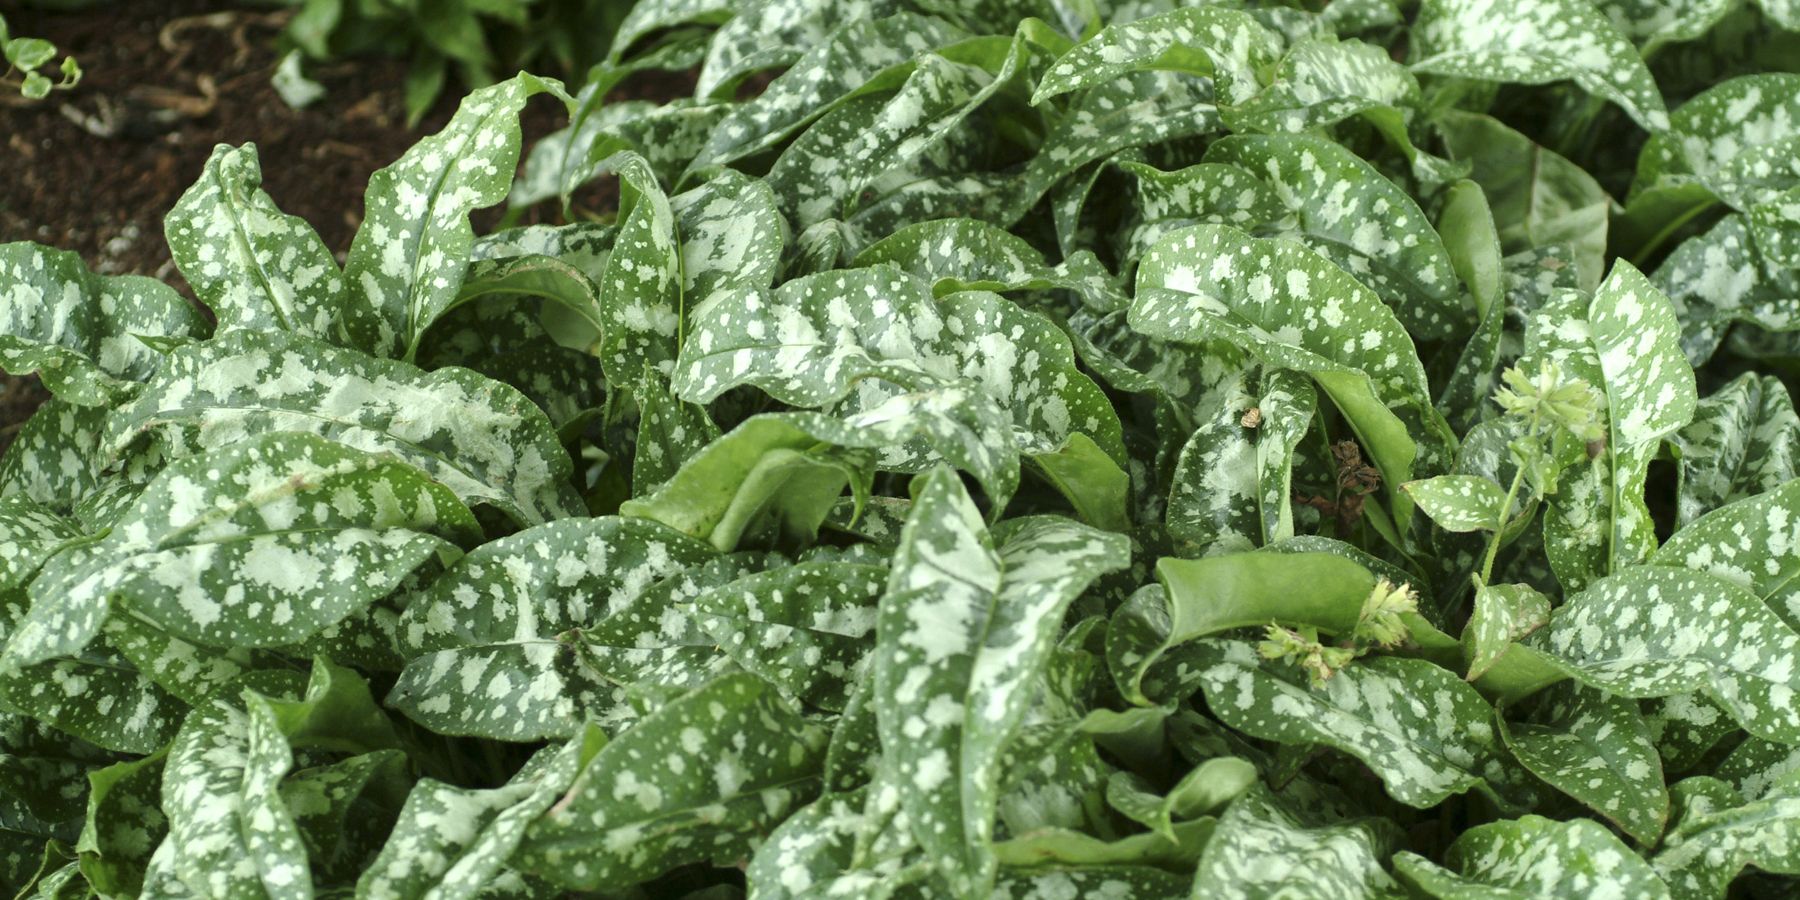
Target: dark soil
[(96, 168)]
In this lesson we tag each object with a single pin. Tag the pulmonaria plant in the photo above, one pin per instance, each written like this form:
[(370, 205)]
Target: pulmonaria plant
[(871, 503)]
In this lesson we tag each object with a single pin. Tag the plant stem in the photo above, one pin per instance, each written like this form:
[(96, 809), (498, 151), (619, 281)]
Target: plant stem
[(1512, 493)]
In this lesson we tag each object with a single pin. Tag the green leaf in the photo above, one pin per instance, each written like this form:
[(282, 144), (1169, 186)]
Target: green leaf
[(96, 696), (969, 254), (1720, 277), (478, 437), (1424, 731), (406, 263), (124, 824), (1653, 631), (772, 479), (700, 779), (262, 544), (1205, 789), (452, 842), (1233, 480), (1538, 198), (640, 289), (251, 264), (1710, 844), (1216, 283), (1724, 138), (1538, 42), (1347, 210), (848, 61), (964, 627), (839, 335), (80, 332), (1749, 543), (1200, 597), (1226, 45), (230, 832), (1262, 850), (1095, 486), (1503, 614), (1744, 440), (1596, 748), (1533, 857), (1323, 82), (803, 628), (1210, 193), (1598, 521), (344, 810), (1460, 503)]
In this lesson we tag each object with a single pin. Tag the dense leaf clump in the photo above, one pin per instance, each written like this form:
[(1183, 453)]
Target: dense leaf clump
[(995, 450)]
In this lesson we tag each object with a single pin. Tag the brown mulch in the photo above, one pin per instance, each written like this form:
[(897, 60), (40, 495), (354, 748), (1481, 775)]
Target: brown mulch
[(95, 169)]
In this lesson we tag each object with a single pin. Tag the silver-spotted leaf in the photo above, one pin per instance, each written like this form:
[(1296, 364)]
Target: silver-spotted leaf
[(251, 264)]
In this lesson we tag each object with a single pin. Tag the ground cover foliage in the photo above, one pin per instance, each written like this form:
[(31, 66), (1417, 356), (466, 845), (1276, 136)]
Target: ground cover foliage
[(1021, 450)]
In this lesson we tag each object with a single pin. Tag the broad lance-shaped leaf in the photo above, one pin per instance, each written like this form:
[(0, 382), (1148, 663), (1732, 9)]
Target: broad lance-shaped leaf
[(1294, 309), (1538, 198), (1744, 440), (1322, 82), (595, 566), (826, 171), (29, 536), (803, 628), (1138, 110), (1226, 44), (969, 254), (1204, 789), (1351, 213), (773, 479), (1629, 350), (773, 34), (963, 630), (1422, 729), (640, 288), (1596, 748), (1653, 631), (480, 438), (1536, 857), (343, 809), (698, 780), (1713, 841), (95, 695), (407, 260), (846, 63), (860, 333), (1459, 502), (1754, 543), (1232, 487), (452, 842), (251, 264), (1213, 193), (1726, 139), (731, 235), (80, 332), (1537, 42), (230, 833), (1722, 276), (1260, 849), (261, 544), (486, 627)]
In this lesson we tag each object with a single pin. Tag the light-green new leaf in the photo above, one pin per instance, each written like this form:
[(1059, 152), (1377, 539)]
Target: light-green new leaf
[(251, 264)]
